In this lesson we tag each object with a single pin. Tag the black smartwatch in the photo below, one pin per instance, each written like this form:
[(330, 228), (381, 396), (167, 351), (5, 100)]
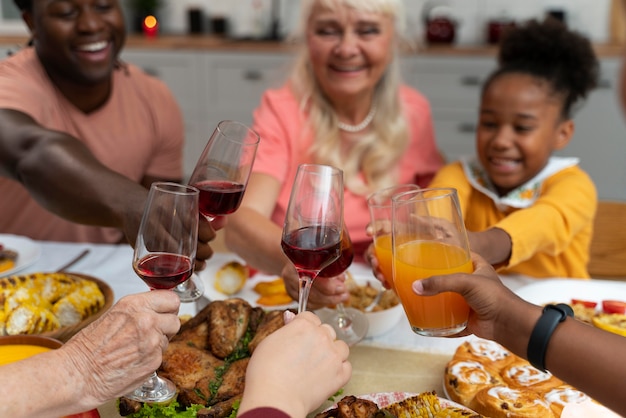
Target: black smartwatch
[(551, 317)]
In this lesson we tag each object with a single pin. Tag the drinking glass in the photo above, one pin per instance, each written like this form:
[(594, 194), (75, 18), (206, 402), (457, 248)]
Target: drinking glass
[(164, 255), (429, 238), (312, 232), (221, 174), (379, 204), (350, 324)]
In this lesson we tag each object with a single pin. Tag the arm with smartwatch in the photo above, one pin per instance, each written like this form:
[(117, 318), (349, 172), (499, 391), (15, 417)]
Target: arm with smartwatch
[(581, 355)]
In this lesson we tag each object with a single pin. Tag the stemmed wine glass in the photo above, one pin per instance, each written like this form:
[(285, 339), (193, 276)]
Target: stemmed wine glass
[(312, 232), (350, 324), (164, 255), (221, 174)]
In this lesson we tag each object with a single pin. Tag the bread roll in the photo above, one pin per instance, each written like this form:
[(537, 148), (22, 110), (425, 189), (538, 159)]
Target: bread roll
[(560, 396), (463, 378), (503, 402), (522, 375), (485, 352)]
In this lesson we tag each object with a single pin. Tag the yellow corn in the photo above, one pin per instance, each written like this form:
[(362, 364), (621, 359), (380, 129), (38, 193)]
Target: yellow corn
[(86, 300), (28, 319), (41, 302), (424, 405), (24, 296)]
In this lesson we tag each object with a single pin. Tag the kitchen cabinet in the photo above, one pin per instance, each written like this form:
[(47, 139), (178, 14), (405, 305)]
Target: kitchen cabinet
[(600, 137), (212, 86), (453, 85), (237, 80)]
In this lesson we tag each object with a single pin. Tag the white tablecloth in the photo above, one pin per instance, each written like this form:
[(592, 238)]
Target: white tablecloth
[(112, 263)]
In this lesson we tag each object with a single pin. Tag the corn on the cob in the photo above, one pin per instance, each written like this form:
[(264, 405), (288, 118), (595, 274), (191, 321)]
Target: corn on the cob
[(25, 296), (28, 319), (78, 305), (52, 286), (49, 301), (424, 405)]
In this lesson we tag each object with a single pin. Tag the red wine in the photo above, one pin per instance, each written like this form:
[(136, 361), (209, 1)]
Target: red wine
[(219, 197), (312, 247), (163, 270), (343, 262)]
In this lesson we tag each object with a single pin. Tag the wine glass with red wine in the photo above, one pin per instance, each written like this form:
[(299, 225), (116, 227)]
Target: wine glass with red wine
[(221, 174), (312, 231), (164, 256), (350, 324)]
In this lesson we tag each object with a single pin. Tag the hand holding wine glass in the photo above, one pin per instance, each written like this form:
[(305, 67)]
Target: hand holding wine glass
[(164, 255), (311, 236), (221, 174)]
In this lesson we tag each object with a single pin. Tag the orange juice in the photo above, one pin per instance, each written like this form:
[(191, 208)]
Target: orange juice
[(442, 314), (382, 247)]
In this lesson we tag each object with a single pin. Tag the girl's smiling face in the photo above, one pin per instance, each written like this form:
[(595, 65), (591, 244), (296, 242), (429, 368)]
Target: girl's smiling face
[(520, 126)]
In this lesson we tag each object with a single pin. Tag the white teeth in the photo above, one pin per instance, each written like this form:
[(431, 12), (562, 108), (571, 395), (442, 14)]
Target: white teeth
[(500, 161), (96, 46)]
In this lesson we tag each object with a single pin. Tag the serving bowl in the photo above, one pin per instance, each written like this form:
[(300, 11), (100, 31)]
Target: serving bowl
[(66, 332), (380, 320), (19, 347), (383, 320)]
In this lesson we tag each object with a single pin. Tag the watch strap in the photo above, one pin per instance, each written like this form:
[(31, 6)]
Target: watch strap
[(550, 318)]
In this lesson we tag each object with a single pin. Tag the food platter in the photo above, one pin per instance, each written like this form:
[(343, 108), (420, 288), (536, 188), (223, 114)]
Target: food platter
[(28, 252), (564, 290), (383, 399), (247, 293)]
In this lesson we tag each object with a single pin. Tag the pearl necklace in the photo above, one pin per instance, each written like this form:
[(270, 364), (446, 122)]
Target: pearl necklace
[(364, 124)]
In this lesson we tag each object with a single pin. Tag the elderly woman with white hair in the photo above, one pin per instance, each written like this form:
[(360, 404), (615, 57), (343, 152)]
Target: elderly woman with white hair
[(344, 105)]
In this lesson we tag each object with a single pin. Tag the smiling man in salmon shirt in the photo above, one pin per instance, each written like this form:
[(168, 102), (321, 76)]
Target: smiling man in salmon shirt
[(82, 135)]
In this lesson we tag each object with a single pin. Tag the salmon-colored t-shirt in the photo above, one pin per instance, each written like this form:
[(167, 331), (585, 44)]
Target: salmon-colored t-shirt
[(138, 132), (285, 143)]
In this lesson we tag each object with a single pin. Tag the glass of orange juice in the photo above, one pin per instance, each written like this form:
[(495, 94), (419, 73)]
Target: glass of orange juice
[(379, 204), (428, 239)]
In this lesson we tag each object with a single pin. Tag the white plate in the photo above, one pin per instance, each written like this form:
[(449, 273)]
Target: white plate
[(387, 398), (564, 290), (28, 251), (247, 293)]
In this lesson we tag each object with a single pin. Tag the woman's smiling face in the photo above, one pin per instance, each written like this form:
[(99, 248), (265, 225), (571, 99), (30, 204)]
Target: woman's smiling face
[(349, 50), (520, 126)]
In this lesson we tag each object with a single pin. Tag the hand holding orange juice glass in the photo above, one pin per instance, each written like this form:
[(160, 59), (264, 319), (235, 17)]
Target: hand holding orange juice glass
[(428, 239), (379, 204)]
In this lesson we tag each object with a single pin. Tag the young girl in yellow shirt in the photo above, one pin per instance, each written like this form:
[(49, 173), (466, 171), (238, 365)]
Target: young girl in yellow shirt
[(529, 212)]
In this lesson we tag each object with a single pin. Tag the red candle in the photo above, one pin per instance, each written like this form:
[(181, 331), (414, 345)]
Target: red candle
[(150, 26)]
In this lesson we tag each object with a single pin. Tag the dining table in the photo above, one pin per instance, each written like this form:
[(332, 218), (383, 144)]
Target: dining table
[(397, 361)]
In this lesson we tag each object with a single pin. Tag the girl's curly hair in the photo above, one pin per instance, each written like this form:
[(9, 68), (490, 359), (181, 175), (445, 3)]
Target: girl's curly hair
[(550, 51)]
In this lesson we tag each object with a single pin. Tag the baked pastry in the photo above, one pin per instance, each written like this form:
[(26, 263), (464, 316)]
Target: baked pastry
[(463, 378), (504, 402), (486, 352), (562, 395), (520, 374)]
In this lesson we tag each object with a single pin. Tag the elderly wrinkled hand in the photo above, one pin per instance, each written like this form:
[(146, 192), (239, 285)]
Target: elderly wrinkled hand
[(117, 352)]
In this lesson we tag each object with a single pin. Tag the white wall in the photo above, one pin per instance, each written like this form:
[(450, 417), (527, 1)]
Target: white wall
[(588, 16)]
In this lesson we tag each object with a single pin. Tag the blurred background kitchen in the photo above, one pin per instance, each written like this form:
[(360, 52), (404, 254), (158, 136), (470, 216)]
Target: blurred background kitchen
[(218, 56)]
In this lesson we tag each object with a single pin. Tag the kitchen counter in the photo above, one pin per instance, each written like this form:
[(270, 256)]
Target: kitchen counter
[(213, 43)]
